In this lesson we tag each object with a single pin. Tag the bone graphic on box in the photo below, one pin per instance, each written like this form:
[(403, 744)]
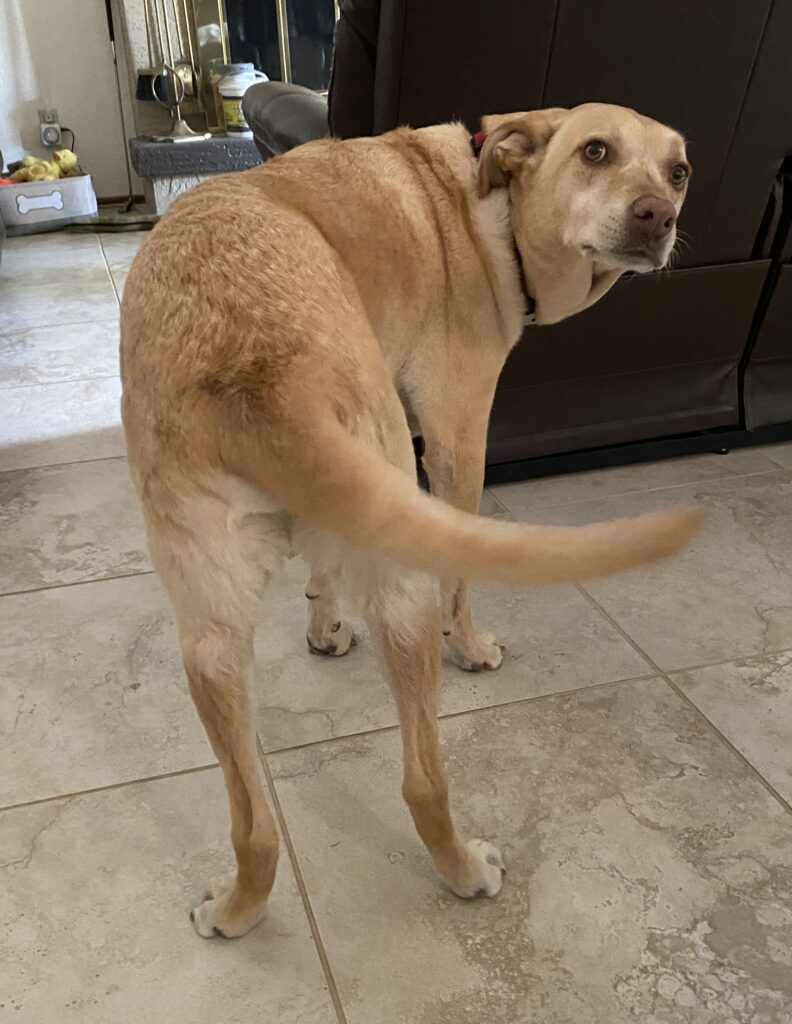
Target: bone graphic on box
[(54, 201)]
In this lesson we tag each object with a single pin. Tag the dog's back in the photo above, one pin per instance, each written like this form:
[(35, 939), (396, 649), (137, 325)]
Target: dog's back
[(248, 350)]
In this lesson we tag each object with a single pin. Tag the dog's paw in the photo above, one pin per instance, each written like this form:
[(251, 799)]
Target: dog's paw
[(224, 914), (335, 639), (475, 652), (483, 871)]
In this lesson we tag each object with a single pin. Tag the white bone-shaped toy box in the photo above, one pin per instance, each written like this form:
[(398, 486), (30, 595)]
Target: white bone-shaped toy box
[(31, 207)]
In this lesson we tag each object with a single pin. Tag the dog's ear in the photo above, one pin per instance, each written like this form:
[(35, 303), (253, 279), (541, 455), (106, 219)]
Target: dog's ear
[(511, 139)]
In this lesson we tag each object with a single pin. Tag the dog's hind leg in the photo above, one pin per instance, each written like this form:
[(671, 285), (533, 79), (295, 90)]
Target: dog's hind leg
[(454, 461), (403, 617), (218, 659), (214, 559), (327, 633)]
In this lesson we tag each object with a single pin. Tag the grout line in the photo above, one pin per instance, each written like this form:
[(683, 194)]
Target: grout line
[(734, 749), (665, 676), (378, 730), (328, 973), (501, 507), (118, 270), (553, 693), (460, 714), (71, 462), (115, 290), (626, 494), (6, 331), (77, 583), (54, 383), (109, 271), (769, 653), (779, 464), (110, 786)]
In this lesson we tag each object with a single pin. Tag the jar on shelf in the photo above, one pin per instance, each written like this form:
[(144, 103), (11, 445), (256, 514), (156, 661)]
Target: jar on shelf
[(230, 82)]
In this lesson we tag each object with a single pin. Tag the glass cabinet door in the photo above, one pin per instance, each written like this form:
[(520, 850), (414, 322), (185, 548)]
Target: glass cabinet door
[(311, 24), (289, 40), (253, 35)]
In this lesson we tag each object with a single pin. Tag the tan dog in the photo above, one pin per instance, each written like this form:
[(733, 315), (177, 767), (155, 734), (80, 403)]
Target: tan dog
[(280, 328)]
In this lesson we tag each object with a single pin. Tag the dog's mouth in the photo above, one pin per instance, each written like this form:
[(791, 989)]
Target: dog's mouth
[(639, 259), (645, 256)]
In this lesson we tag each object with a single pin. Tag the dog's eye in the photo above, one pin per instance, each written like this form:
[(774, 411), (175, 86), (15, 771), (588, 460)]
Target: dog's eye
[(679, 174), (595, 150)]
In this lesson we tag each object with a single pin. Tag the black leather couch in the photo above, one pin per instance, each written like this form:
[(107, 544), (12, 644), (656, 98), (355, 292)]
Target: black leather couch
[(699, 358)]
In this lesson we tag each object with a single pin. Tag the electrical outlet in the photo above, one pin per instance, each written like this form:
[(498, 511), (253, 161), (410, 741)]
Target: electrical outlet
[(49, 127)]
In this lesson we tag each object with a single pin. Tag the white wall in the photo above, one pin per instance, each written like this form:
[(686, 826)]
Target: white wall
[(57, 53)]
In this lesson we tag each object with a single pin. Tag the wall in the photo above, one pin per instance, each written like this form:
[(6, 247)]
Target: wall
[(57, 53)]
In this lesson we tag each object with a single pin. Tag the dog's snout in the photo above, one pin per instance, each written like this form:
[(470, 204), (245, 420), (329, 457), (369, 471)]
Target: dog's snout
[(654, 217)]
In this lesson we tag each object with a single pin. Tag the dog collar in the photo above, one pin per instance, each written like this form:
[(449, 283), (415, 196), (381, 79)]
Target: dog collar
[(476, 144)]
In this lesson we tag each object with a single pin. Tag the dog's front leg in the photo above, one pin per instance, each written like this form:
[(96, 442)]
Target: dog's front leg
[(455, 466), (403, 619)]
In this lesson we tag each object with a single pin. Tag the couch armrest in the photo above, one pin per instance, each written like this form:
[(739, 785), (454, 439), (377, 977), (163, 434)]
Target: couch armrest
[(282, 116)]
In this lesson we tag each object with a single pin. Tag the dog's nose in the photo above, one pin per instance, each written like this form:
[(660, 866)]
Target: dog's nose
[(654, 216)]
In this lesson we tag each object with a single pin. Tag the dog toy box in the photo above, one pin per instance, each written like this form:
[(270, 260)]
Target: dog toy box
[(31, 206)]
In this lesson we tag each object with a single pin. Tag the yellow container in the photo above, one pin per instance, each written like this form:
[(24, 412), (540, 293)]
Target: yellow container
[(232, 87)]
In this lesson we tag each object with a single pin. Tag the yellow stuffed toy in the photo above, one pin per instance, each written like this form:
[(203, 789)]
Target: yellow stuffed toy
[(65, 159), (33, 168)]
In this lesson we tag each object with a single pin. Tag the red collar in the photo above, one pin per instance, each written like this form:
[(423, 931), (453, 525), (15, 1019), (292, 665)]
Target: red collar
[(476, 144)]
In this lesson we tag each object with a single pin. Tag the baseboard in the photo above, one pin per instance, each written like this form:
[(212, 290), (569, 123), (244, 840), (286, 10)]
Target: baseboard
[(715, 441), (118, 200)]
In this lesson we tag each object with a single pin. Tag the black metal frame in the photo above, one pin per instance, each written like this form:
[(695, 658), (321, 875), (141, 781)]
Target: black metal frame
[(776, 255), (716, 441)]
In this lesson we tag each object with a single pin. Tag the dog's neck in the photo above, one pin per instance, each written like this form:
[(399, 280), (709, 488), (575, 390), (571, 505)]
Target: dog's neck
[(556, 281), (563, 282)]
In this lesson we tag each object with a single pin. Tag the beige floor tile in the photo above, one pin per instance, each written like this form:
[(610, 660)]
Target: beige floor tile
[(69, 524), (57, 256), (121, 247), (95, 895), (119, 280), (728, 596), (45, 424), (524, 497), (648, 871), (49, 355), (554, 641), (751, 703), (111, 647), (92, 675), (779, 453), (490, 506), (81, 296)]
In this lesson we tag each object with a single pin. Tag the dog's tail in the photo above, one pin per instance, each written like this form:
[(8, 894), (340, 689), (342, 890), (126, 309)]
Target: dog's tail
[(336, 482)]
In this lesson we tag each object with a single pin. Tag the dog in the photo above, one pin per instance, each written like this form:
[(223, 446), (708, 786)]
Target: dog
[(281, 331)]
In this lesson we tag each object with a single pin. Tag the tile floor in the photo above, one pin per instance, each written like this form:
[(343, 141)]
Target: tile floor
[(632, 758)]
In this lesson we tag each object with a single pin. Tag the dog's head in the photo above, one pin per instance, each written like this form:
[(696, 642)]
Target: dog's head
[(599, 181)]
